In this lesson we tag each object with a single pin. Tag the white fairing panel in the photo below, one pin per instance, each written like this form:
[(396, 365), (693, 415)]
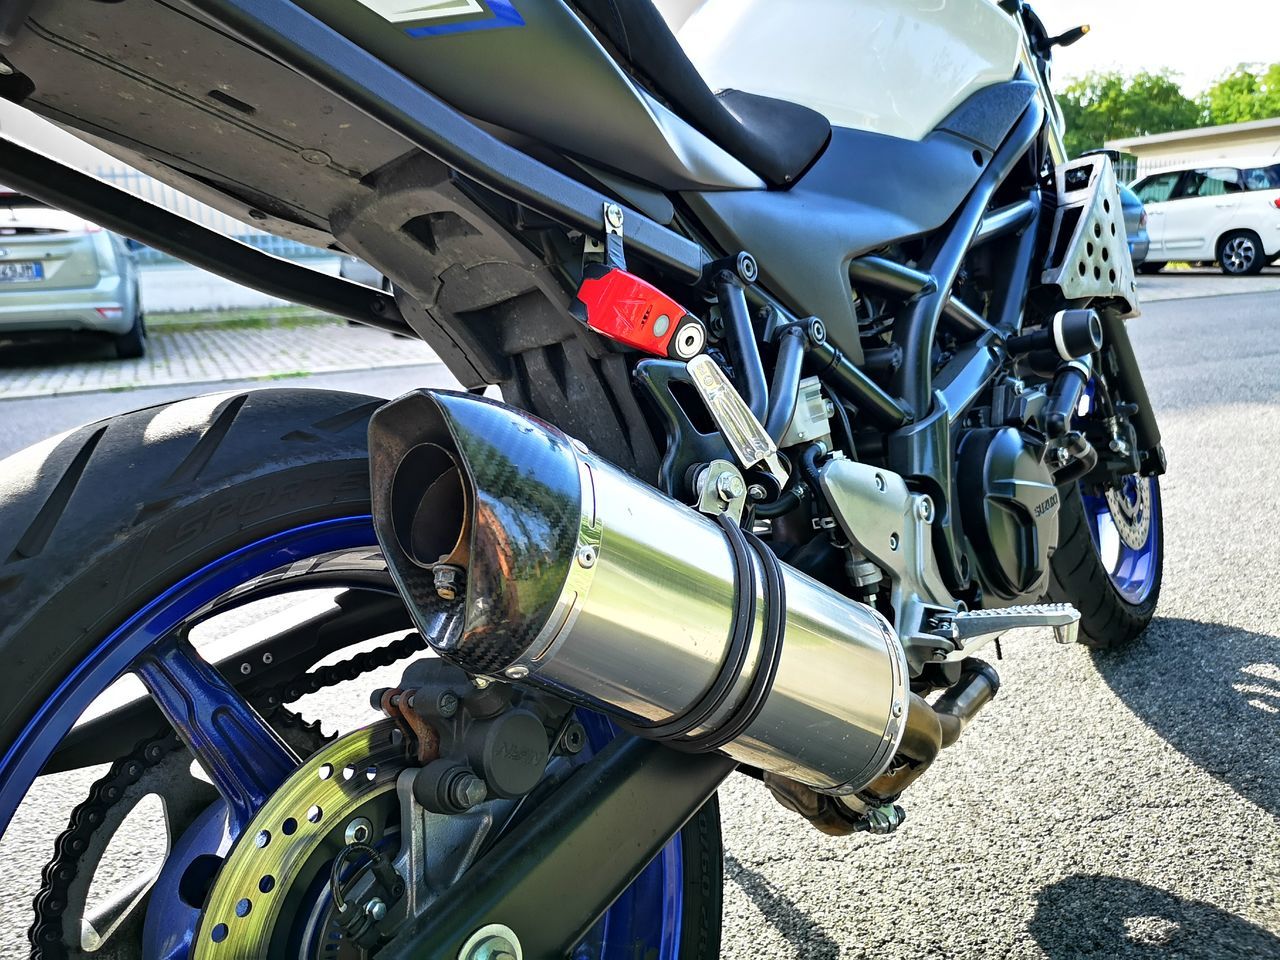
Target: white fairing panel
[(897, 67)]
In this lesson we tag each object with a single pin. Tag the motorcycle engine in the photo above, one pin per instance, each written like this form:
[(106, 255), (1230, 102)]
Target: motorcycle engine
[(1009, 505)]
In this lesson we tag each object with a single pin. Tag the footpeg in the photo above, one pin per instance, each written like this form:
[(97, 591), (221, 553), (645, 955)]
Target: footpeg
[(983, 626)]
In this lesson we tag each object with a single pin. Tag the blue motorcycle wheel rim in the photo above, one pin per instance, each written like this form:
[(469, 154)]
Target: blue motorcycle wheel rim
[(1132, 570), (645, 921)]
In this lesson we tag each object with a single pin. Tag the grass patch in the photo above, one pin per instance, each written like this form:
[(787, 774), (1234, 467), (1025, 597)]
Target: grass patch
[(252, 318)]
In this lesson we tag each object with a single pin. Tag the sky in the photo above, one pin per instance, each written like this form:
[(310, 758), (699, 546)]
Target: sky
[(1198, 39)]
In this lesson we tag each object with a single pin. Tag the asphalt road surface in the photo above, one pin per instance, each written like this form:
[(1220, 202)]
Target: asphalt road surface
[(1121, 805)]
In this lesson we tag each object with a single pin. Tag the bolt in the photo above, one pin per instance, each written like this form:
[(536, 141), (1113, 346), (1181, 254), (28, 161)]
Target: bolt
[(880, 484), (575, 738), (897, 708), (466, 790), (245, 668), (446, 577), (613, 215), (375, 909), (492, 943), (6, 69), (447, 705), (587, 557), (358, 830), (893, 541), (924, 509), (730, 486), (517, 672), (747, 268), (757, 492), (267, 658), (480, 683)]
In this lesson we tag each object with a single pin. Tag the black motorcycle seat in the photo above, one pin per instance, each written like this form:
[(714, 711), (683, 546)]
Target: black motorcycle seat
[(776, 139)]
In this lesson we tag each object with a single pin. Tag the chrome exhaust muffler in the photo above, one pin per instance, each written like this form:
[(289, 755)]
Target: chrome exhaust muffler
[(577, 577)]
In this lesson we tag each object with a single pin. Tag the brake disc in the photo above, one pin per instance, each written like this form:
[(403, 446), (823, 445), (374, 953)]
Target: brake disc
[(1131, 517), (275, 875)]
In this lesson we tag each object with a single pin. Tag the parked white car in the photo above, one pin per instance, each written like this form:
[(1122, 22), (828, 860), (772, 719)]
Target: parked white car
[(1227, 212)]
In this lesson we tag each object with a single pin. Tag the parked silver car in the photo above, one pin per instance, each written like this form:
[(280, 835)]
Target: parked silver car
[(61, 273)]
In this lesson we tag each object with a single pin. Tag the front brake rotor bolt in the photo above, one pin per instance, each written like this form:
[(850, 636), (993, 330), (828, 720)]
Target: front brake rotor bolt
[(446, 580), (359, 830), (447, 705)]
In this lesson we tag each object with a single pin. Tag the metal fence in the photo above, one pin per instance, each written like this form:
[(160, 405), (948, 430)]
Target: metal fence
[(161, 194)]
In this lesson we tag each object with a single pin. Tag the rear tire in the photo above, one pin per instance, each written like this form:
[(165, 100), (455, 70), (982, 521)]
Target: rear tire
[(1108, 619), (132, 344), (1240, 253), (96, 523)]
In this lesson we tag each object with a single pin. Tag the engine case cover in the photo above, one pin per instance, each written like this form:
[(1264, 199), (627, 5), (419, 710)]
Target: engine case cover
[(1010, 509)]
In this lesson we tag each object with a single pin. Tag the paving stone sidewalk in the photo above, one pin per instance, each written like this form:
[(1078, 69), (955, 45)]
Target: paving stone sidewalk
[(204, 355)]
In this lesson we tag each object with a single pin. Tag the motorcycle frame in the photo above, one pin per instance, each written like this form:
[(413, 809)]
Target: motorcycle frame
[(515, 879)]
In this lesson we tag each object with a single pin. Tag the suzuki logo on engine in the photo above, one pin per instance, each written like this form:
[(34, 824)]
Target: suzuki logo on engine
[(1047, 505)]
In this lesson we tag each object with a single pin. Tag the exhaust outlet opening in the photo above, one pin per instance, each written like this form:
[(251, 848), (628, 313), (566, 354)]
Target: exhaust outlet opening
[(431, 507)]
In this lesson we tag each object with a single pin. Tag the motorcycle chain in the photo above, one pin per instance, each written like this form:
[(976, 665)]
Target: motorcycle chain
[(45, 933)]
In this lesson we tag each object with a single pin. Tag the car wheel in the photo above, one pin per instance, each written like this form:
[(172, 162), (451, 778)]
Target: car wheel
[(1148, 267), (132, 344), (1240, 253)]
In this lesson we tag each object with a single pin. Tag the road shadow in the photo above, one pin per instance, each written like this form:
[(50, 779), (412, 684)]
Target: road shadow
[(1086, 916), (54, 350), (1213, 693), (800, 930)]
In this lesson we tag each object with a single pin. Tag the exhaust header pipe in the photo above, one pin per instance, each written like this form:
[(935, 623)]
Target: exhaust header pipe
[(575, 576)]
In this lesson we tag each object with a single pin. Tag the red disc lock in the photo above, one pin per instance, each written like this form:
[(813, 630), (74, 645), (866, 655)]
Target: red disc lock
[(625, 308)]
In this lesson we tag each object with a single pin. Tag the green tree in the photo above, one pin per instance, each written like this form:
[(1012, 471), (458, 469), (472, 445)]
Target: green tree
[(1249, 92), (1104, 106)]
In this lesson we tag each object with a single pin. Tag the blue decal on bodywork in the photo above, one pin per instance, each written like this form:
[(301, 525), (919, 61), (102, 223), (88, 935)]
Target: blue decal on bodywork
[(502, 13)]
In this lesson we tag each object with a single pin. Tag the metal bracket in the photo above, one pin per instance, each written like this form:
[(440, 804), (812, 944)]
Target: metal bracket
[(721, 489), (608, 251), (614, 218)]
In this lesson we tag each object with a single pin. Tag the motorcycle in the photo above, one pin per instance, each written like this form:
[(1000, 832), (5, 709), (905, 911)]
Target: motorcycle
[(815, 379)]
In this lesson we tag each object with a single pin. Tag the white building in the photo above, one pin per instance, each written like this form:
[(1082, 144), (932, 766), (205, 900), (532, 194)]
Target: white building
[(1255, 138)]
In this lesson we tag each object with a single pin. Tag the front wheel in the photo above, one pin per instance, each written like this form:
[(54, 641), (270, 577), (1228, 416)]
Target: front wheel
[(124, 546), (1110, 558)]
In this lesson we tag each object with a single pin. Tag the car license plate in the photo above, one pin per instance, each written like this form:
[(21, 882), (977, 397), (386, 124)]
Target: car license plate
[(21, 272)]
